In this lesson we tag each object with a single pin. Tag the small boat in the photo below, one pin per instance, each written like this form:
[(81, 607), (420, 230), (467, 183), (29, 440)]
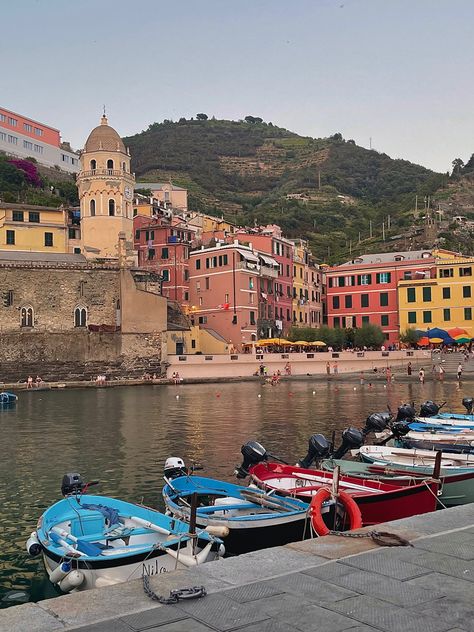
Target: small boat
[(255, 519), (7, 399), (457, 488), (431, 424), (383, 454), (377, 500), (90, 541), (431, 410)]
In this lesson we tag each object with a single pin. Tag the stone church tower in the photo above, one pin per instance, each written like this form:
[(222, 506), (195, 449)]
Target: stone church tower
[(105, 187)]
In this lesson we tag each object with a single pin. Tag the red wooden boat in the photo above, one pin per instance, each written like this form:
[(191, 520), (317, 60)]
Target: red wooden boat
[(378, 501)]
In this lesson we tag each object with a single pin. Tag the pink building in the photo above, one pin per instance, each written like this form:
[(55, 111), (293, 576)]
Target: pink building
[(364, 290)]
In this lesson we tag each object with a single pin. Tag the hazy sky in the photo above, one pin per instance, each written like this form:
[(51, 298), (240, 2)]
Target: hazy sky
[(398, 71)]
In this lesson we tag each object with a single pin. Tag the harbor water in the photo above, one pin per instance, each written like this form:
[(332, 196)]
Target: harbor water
[(122, 437)]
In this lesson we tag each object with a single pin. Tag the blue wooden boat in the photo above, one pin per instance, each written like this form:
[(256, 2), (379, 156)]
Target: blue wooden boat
[(434, 425), (7, 399), (255, 519), (90, 541)]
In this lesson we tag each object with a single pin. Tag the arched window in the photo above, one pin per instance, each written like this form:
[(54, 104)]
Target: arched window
[(124, 166), (27, 316), (92, 207), (110, 165), (111, 207), (93, 165), (80, 317)]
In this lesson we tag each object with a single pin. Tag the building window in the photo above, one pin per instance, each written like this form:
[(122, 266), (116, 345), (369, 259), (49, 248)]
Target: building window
[(186, 274), (207, 283), (412, 318), (335, 302), (34, 217), (426, 295), (365, 320), (446, 314), (27, 144), (337, 321), (72, 233), (251, 283), (364, 300), (364, 279), (13, 122), (111, 208), (151, 253), (165, 253), (466, 291), (202, 320), (186, 296), (10, 237), (27, 127), (193, 343), (110, 165), (80, 317), (93, 165), (198, 264), (348, 300), (3, 118), (468, 313), (38, 149), (12, 139), (137, 235), (166, 275), (383, 277), (225, 260), (446, 273), (92, 207), (383, 299), (48, 239), (27, 316), (3, 136), (464, 272), (200, 301), (446, 292), (38, 131), (411, 295), (252, 318), (427, 317), (384, 320), (18, 216)]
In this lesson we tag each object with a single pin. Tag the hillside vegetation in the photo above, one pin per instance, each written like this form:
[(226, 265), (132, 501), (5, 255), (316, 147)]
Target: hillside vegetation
[(327, 190)]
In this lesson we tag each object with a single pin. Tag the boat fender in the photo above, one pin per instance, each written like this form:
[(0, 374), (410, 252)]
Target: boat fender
[(32, 545), (324, 494), (60, 572), (217, 530), (188, 559), (72, 580)]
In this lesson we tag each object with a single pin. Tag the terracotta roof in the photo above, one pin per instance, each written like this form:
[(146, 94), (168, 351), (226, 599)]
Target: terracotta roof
[(104, 138)]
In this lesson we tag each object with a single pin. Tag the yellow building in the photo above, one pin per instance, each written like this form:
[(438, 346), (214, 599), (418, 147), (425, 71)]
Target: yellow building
[(33, 228), (444, 300), (301, 289)]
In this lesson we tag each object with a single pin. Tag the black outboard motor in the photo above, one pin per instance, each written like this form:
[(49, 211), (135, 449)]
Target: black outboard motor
[(376, 422), (400, 428), (405, 412), (468, 403), (253, 453), (351, 438), (72, 483), (429, 409), (318, 448)]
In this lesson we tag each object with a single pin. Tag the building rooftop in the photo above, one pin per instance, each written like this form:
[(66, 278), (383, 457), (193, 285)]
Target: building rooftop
[(26, 256), (104, 137), (387, 257), (157, 186)]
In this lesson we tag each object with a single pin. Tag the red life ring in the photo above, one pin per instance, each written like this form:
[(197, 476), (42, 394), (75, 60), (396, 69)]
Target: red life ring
[(323, 494)]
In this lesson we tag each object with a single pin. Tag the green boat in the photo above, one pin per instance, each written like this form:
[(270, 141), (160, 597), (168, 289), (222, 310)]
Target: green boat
[(457, 488)]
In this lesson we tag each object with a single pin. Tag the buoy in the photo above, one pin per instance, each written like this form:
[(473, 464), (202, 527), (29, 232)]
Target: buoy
[(72, 580), (177, 396), (385, 386), (259, 395), (314, 392), (32, 545), (355, 388), (60, 572), (350, 505), (218, 394)]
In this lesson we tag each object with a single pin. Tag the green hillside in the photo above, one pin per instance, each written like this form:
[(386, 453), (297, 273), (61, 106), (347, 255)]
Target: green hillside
[(327, 190)]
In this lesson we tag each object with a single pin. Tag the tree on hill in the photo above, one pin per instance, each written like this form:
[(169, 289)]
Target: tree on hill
[(458, 164), (201, 116), (253, 119), (469, 166)]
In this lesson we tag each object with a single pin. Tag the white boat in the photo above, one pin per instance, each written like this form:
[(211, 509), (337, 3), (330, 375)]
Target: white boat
[(413, 457)]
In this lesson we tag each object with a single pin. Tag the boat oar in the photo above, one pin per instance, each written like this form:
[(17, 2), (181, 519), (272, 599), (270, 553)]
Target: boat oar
[(149, 525)]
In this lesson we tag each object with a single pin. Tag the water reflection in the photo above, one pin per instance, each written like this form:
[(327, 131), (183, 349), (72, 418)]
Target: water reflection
[(122, 436)]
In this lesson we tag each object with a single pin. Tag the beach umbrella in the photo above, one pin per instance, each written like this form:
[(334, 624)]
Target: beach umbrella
[(267, 341), (286, 343), (463, 339), (302, 343), (436, 332), (457, 331), (436, 341), (423, 342), (319, 343)]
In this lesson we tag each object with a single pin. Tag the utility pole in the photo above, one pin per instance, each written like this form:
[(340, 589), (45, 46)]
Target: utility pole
[(370, 228), (389, 222), (359, 237), (383, 231)]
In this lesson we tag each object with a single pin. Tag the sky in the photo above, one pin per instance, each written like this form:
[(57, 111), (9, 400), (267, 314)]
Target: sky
[(397, 75)]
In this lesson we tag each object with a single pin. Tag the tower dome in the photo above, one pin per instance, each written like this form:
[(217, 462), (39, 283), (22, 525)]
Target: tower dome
[(104, 137)]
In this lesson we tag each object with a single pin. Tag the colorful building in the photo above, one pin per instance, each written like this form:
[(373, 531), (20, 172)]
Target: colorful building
[(307, 296), (444, 299), (34, 228), (168, 194), (23, 137), (365, 290)]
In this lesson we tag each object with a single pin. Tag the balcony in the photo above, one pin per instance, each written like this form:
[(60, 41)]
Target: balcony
[(114, 173)]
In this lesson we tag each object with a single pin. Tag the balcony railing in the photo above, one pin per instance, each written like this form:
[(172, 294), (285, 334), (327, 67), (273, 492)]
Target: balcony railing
[(105, 172)]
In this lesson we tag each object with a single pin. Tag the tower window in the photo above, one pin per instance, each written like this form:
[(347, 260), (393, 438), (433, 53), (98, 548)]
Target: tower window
[(110, 164), (111, 207), (26, 316), (92, 207), (80, 317), (93, 165), (124, 166)]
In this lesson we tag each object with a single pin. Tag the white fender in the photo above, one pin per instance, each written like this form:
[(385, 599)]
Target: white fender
[(187, 559), (33, 545), (72, 580), (217, 530), (149, 525), (60, 572)]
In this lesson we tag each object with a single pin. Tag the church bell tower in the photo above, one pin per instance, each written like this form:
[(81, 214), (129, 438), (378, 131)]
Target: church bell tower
[(105, 187)]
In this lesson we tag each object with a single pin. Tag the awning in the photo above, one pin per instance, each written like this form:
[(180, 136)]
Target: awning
[(270, 261), (249, 256)]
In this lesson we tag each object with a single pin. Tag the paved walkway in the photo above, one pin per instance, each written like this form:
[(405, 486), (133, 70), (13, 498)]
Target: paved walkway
[(330, 584)]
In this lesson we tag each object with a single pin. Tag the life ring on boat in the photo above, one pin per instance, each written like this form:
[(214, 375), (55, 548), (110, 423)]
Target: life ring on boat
[(350, 505)]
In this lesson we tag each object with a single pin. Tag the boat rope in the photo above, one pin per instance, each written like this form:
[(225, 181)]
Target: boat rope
[(438, 499), (175, 595), (382, 538)]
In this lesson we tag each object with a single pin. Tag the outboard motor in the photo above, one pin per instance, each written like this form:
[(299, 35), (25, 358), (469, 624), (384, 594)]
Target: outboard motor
[(376, 422), (405, 412), (351, 438), (400, 428), (174, 467), (253, 453), (72, 483), (318, 448), (468, 403), (429, 409)]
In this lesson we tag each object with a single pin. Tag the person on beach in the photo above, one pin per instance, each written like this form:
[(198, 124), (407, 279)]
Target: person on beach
[(362, 378), (459, 371), (287, 368), (409, 369), (335, 368), (441, 373), (38, 380), (29, 382), (421, 375)]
